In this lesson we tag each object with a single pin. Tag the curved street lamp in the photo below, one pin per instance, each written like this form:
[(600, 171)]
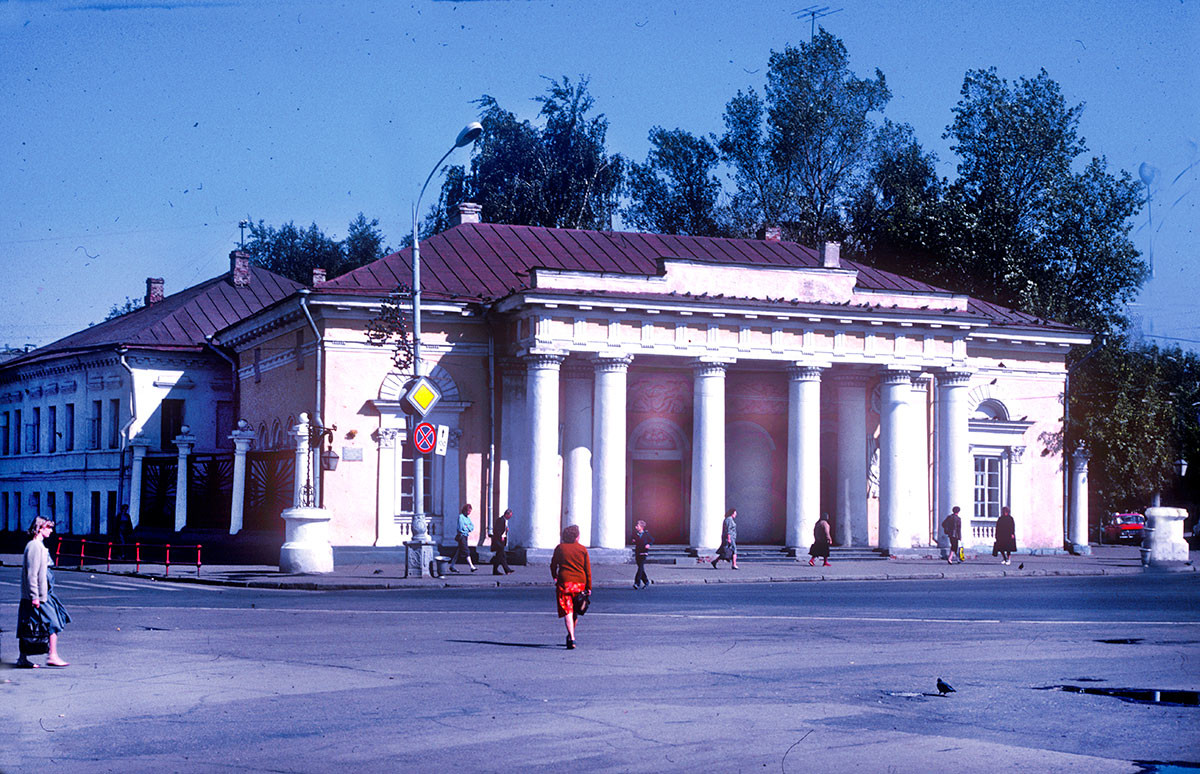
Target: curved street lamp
[(469, 134)]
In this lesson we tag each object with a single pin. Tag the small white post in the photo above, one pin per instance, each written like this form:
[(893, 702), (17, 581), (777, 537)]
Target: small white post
[(184, 441), (242, 438), (139, 444)]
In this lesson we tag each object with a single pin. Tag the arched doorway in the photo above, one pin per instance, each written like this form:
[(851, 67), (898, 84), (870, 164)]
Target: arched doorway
[(657, 481)]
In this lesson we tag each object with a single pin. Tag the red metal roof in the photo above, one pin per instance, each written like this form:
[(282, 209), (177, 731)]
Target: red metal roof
[(178, 322), (487, 261)]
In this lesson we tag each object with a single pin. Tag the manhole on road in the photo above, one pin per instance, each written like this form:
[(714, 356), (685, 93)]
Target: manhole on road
[(1135, 695)]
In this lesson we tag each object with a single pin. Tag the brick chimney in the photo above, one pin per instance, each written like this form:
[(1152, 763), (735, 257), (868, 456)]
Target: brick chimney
[(239, 269), (154, 290), (831, 255), (769, 233), (318, 276), (465, 212)]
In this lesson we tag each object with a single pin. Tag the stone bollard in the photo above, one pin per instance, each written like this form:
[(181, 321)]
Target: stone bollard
[(1165, 536), (306, 545)]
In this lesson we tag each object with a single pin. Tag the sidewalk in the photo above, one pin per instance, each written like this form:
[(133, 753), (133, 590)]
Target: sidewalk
[(1105, 560)]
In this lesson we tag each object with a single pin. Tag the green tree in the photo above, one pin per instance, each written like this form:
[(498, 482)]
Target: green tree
[(130, 305), (294, 252), (676, 191), (558, 175), (799, 154), (1021, 227)]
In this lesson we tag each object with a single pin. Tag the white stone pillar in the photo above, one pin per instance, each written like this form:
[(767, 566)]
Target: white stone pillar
[(895, 391), (512, 476), (851, 495), (915, 532), (242, 438), (955, 468), (139, 444), (577, 450), (610, 445), (545, 487), (708, 455), (804, 455), (184, 441), (1077, 526), (300, 444)]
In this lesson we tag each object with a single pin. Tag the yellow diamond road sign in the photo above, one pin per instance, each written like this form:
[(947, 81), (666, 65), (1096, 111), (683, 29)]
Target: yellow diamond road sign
[(422, 395)]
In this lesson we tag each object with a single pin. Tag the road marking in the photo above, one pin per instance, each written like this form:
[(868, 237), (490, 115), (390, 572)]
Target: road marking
[(701, 616)]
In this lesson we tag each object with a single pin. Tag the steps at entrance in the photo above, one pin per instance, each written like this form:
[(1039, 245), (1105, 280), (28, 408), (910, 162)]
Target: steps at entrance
[(681, 554)]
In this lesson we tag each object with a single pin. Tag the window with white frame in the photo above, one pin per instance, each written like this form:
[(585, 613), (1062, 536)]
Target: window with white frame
[(990, 485)]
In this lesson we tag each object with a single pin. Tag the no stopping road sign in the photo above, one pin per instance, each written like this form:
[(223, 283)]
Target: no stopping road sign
[(424, 437)]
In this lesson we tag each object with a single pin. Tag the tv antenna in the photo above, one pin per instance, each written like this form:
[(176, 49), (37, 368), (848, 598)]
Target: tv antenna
[(242, 233), (1149, 173), (814, 12)]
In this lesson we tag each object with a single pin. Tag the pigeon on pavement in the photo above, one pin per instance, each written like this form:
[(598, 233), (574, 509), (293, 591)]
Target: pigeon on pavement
[(944, 687), (1021, 566)]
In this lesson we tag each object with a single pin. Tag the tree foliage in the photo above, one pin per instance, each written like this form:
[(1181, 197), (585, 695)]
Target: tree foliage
[(798, 154), (676, 191), (558, 175), (130, 305), (294, 252)]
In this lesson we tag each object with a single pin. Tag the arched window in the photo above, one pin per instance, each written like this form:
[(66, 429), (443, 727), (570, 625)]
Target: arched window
[(991, 410)]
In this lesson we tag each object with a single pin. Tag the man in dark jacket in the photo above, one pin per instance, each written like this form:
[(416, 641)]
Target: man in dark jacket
[(500, 543), (641, 549), (952, 526)]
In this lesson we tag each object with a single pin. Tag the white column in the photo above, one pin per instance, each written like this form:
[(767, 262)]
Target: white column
[(804, 455), (388, 494), (1077, 526), (915, 529), (708, 455), (851, 495), (242, 438), (610, 445), (893, 442), (184, 441), (300, 445), (512, 475), (139, 444), (955, 468), (577, 450), (545, 488)]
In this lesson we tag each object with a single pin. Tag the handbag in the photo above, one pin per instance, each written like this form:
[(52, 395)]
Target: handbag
[(583, 601), (33, 631)]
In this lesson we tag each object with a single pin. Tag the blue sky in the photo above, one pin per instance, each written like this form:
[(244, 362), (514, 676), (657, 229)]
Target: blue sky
[(135, 135)]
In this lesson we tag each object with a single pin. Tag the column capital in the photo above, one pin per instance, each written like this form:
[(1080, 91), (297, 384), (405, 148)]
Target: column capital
[(611, 363), (244, 432), (897, 376), (707, 367), (804, 372), (954, 377), (185, 440), (543, 360)]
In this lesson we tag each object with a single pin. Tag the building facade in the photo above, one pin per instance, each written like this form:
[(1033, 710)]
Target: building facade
[(598, 378)]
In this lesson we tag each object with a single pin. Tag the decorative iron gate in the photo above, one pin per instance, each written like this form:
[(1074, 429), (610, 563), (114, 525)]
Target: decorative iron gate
[(210, 491), (158, 492), (270, 476)]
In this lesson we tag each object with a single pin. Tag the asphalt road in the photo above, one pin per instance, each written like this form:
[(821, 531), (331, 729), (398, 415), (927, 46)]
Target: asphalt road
[(738, 677)]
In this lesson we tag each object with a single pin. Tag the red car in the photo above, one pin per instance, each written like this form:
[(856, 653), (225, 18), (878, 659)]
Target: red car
[(1123, 528)]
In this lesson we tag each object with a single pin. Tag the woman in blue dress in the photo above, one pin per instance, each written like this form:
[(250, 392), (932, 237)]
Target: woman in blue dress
[(40, 611)]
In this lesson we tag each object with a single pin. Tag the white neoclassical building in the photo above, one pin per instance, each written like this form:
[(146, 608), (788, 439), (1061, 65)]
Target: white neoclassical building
[(599, 378)]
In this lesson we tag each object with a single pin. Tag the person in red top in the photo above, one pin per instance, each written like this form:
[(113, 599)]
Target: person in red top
[(571, 567)]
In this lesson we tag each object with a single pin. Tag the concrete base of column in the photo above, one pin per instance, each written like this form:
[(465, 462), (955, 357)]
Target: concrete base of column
[(1081, 550), (306, 548), (542, 556)]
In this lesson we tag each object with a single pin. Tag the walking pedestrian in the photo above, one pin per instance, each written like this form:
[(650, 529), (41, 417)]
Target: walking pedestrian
[(462, 537), (952, 526), (40, 616), (500, 543), (571, 568), (821, 541), (641, 549), (1006, 536), (728, 549)]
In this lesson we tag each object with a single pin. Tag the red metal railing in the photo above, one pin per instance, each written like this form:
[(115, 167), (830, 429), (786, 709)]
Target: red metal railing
[(97, 551)]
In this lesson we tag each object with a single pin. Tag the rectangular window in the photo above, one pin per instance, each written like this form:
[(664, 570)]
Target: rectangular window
[(407, 479), (4, 432), (17, 510), (68, 512), (16, 445), (989, 486), (171, 410), (224, 425), (33, 432), (4, 511), (111, 513), (52, 430), (69, 428), (114, 423), (94, 425), (50, 503), (94, 527), (35, 504)]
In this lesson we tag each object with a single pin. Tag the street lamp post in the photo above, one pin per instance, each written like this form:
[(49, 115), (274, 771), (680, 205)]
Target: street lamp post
[(469, 134)]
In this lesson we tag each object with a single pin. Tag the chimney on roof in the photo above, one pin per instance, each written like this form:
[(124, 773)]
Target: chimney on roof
[(831, 255), (239, 269), (465, 212), (154, 290), (769, 233), (318, 276)]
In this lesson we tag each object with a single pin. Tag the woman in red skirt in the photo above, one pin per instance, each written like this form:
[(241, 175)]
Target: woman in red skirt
[(572, 569)]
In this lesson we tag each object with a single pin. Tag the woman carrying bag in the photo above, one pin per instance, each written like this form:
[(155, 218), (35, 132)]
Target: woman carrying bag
[(41, 616)]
